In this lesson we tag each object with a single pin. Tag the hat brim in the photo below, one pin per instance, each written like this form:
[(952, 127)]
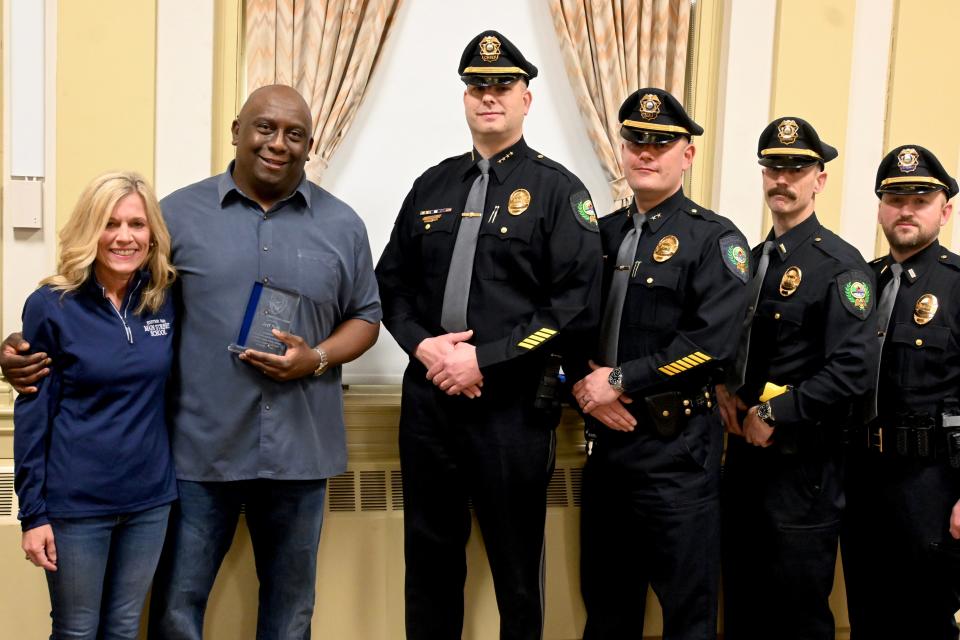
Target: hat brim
[(644, 136), (490, 79), (787, 162)]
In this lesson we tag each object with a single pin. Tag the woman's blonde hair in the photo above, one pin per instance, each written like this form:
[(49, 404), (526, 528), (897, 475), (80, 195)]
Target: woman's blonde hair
[(80, 236)]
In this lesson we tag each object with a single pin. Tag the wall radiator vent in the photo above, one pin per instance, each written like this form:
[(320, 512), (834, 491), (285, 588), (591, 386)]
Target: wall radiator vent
[(8, 499), (381, 490)]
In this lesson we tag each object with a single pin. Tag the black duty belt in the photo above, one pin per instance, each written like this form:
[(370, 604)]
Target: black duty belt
[(669, 411), (921, 436)]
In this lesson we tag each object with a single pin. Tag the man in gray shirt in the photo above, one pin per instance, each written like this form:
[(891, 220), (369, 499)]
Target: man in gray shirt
[(258, 431)]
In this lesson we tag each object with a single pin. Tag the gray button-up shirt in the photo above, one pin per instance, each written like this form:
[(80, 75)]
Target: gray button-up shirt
[(229, 421)]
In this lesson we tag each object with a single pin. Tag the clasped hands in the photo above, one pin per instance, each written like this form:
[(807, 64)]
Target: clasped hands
[(451, 363), (601, 401)]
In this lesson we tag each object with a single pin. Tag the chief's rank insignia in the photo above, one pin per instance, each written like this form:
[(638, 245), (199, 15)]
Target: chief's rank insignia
[(925, 309), (790, 281), (735, 256), (665, 249), (855, 294), (489, 49), (787, 131), (908, 160), (518, 202), (583, 211)]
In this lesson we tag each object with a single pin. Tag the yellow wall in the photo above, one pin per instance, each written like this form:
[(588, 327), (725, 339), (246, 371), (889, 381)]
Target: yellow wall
[(922, 97), (811, 79), (106, 79)]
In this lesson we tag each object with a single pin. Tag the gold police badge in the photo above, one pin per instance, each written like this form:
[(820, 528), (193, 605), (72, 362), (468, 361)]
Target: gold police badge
[(790, 281), (908, 160), (489, 49), (787, 131), (925, 309), (518, 202), (665, 249), (649, 106)]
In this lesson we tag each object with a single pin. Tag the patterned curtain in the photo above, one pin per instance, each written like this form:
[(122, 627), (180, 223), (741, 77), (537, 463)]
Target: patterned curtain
[(327, 50), (610, 49)]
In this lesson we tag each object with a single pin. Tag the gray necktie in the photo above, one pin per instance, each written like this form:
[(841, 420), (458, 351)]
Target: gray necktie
[(456, 294), (613, 312), (753, 295), (888, 298)]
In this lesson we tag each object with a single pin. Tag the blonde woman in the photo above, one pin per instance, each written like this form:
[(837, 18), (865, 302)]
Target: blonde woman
[(93, 469)]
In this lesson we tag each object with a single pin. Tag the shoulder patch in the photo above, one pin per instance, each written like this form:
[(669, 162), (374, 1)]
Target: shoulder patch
[(583, 211), (855, 292), (735, 256)]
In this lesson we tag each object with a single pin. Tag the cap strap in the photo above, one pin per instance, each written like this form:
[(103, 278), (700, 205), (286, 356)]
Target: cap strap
[(787, 151), (636, 124), (494, 70), (913, 179)]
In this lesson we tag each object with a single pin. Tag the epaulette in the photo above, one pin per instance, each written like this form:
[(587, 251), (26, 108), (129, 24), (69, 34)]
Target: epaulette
[(949, 258), (877, 260), (539, 158), (614, 217)]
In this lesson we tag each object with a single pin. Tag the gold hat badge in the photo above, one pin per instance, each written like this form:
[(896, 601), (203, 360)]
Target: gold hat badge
[(908, 160), (665, 249), (790, 281), (926, 308), (518, 202), (489, 49), (787, 131), (649, 106)]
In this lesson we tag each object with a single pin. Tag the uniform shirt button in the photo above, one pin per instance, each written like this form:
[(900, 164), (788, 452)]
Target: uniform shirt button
[(776, 316), (266, 248), (919, 342), (267, 407), (666, 414), (649, 280), (503, 229), (266, 280), (426, 226)]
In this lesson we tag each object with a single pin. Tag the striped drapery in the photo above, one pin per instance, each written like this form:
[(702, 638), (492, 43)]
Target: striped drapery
[(327, 50), (612, 48)]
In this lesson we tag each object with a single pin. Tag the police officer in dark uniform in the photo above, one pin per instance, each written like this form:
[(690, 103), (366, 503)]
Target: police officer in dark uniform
[(802, 363), (675, 277), (493, 264), (901, 559)]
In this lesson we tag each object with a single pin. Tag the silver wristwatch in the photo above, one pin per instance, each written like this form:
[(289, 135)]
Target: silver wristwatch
[(765, 413), (616, 379)]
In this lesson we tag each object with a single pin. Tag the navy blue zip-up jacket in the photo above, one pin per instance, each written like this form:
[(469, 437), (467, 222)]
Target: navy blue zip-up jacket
[(93, 441)]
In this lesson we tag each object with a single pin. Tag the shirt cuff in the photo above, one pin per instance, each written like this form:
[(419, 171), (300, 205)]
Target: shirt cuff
[(784, 409)]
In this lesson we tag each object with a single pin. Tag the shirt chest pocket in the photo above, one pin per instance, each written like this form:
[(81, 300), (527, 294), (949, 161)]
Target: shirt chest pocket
[(784, 317), (318, 275), (654, 298), (504, 246), (918, 353), (435, 234)]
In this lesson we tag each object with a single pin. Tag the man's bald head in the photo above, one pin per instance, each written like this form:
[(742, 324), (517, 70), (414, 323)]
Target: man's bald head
[(272, 135)]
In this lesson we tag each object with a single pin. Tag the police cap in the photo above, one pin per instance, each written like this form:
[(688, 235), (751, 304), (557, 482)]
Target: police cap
[(912, 169), (654, 116), (491, 59), (792, 143)]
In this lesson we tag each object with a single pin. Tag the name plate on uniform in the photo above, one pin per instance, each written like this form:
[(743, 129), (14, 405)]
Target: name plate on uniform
[(269, 308)]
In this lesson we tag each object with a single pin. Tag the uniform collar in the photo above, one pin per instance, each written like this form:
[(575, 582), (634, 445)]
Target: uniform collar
[(657, 215), (227, 186), (795, 237), (916, 264), (502, 163)]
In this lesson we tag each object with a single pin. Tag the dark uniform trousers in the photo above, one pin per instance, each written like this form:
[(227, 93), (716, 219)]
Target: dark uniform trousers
[(534, 288), (901, 565), (782, 505), (498, 451), (650, 510)]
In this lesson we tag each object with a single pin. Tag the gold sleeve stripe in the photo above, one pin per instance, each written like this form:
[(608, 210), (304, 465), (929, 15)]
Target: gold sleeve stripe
[(536, 338), (683, 364)]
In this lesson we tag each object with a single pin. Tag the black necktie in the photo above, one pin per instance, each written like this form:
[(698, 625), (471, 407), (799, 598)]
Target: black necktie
[(888, 298), (735, 380), (613, 312), (456, 294)]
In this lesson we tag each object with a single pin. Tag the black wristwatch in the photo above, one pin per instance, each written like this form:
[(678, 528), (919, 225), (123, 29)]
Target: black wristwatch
[(765, 413), (616, 379)]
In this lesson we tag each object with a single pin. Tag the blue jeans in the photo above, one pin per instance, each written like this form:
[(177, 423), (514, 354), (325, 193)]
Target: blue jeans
[(284, 518), (104, 568)]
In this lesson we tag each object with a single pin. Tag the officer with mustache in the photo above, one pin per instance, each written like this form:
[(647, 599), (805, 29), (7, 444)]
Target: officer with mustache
[(802, 362)]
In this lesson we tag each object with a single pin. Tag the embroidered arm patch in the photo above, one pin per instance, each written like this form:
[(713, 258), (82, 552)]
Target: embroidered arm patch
[(735, 256), (855, 293), (584, 212)]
